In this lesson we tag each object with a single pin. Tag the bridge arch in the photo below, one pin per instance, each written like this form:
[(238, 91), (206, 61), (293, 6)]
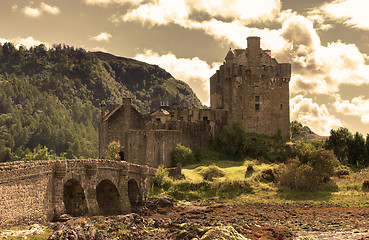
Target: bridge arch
[(74, 198), (133, 194), (108, 198)]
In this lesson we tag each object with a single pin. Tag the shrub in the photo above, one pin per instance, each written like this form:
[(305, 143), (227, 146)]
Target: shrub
[(236, 186), (250, 168), (210, 172), (42, 154), (311, 167), (161, 179), (342, 170), (298, 176), (114, 148), (365, 186), (267, 175), (183, 155)]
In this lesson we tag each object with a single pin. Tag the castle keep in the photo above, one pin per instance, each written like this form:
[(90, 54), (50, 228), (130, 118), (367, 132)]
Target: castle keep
[(250, 87)]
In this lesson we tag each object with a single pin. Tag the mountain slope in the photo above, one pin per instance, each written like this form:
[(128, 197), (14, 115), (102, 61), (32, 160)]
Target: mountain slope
[(51, 97)]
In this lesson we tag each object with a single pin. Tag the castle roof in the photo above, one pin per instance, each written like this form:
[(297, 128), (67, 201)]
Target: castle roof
[(111, 113), (160, 111), (230, 55)]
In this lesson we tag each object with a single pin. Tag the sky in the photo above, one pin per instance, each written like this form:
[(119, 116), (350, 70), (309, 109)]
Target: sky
[(326, 41)]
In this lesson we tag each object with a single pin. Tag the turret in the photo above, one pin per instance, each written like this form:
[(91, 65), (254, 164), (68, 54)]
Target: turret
[(230, 56), (253, 51)]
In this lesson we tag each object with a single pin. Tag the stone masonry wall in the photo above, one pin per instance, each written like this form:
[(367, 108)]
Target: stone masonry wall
[(33, 191), (25, 192)]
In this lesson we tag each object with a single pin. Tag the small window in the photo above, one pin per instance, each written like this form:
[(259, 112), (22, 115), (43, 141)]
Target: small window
[(158, 119), (205, 119), (281, 106), (257, 99), (180, 118), (257, 106)]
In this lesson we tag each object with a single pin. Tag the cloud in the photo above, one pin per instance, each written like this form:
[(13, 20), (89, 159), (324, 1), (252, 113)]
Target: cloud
[(104, 36), (358, 106), (107, 2), (99, 49), (37, 12), (317, 117), (194, 72), (350, 12), (162, 12), (26, 42), (49, 9), (31, 12), (14, 7)]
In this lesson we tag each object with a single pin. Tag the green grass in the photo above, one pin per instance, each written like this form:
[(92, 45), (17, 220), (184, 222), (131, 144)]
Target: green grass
[(344, 191)]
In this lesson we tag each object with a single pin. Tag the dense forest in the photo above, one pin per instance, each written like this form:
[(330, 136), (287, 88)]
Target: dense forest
[(51, 97)]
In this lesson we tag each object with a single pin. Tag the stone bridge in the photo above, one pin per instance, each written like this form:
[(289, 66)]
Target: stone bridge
[(42, 190)]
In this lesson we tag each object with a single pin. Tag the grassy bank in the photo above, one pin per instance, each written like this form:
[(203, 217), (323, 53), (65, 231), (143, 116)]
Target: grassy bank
[(253, 181)]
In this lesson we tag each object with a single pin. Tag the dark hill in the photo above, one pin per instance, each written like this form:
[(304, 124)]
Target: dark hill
[(51, 97)]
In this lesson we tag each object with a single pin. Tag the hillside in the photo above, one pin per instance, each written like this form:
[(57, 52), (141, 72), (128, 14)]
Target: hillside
[(306, 133), (51, 97)]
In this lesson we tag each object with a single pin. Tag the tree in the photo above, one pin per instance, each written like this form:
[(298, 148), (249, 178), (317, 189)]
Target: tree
[(357, 152), (183, 155), (295, 129), (232, 140), (42, 154), (338, 142), (114, 148)]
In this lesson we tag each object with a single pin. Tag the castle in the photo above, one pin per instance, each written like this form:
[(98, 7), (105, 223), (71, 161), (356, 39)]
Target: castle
[(251, 88)]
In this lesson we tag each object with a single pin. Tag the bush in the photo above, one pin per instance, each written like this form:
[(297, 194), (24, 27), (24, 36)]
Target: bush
[(342, 170), (114, 148), (365, 186), (266, 176), (311, 167), (298, 176), (161, 179), (42, 154), (236, 186), (210, 172), (250, 168), (183, 155)]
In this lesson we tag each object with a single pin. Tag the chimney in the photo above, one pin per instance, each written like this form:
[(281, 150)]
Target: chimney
[(103, 108), (253, 51), (127, 101)]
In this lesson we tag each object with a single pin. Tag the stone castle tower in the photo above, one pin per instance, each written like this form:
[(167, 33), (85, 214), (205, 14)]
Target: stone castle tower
[(254, 88)]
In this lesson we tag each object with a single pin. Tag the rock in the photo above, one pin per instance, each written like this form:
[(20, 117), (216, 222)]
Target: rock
[(165, 202), (223, 233), (62, 218)]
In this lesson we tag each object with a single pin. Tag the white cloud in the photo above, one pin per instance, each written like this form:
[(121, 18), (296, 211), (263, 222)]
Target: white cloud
[(351, 12), (162, 12), (99, 49), (107, 2), (49, 9), (37, 12), (27, 42), (31, 12), (358, 106), (14, 7), (317, 117), (194, 72), (104, 36)]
